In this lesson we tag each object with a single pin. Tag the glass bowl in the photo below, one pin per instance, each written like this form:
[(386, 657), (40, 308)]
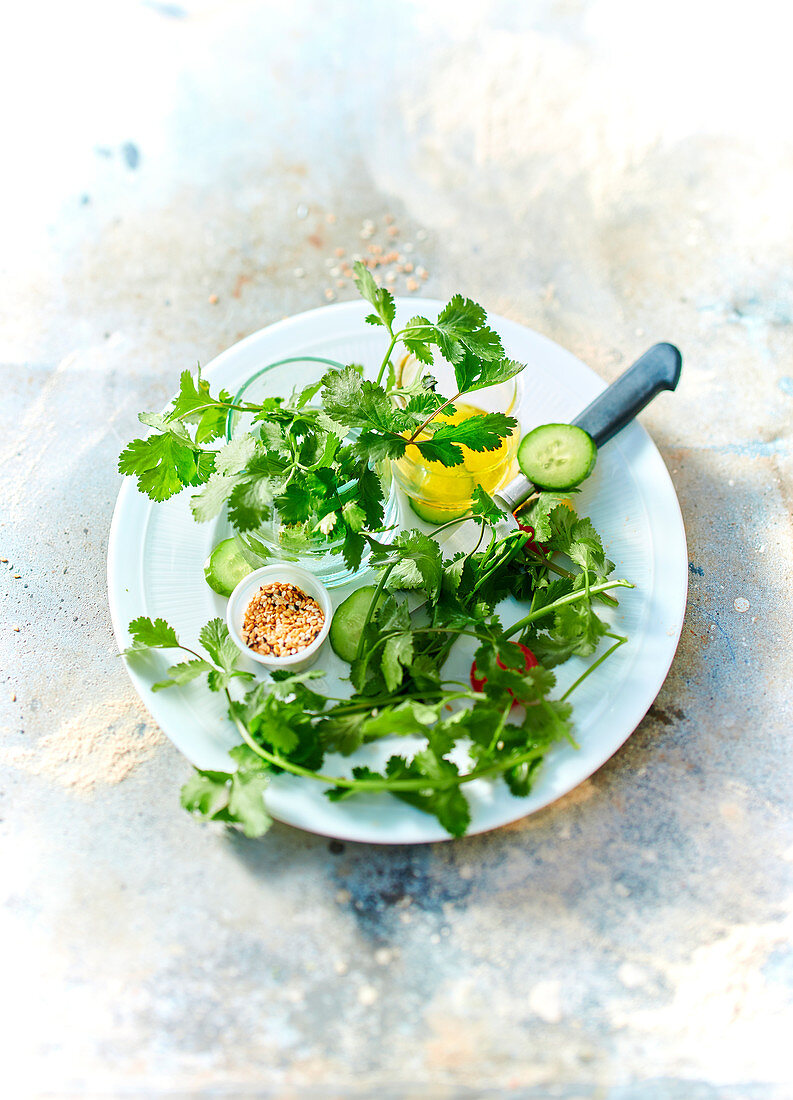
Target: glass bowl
[(436, 492), (319, 554)]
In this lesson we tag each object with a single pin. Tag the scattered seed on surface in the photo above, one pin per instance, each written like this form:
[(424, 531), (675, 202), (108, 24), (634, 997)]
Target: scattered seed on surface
[(412, 284), (330, 218), (339, 251), (281, 619), (302, 211), (300, 272), (213, 299), (330, 293)]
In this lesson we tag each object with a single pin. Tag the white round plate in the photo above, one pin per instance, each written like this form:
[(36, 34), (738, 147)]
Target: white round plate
[(156, 554)]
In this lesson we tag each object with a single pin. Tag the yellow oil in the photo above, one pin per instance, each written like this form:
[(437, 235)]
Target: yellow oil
[(443, 492)]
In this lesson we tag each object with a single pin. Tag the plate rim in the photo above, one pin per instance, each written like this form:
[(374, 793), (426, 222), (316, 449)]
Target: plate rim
[(675, 562)]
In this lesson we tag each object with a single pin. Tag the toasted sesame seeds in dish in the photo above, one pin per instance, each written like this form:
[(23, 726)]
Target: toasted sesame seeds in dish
[(280, 616), (281, 620)]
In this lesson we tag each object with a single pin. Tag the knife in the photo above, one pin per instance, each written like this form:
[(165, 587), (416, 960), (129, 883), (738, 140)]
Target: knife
[(658, 369)]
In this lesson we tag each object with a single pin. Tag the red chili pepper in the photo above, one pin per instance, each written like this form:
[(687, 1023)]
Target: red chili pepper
[(529, 661)]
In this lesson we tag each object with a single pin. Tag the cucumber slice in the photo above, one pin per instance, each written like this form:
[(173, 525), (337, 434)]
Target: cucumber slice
[(431, 513), (348, 620), (557, 456), (225, 567)]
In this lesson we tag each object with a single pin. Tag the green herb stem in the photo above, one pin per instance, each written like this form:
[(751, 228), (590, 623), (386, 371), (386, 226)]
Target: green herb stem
[(620, 641), (384, 364), (372, 605), (571, 597), (422, 784), (429, 419)]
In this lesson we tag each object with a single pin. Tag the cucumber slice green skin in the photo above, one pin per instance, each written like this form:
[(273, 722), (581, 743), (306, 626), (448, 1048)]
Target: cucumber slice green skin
[(348, 620), (557, 456), (225, 567), (434, 515)]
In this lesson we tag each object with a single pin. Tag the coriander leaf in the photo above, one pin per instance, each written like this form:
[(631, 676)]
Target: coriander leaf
[(206, 793), (148, 634), (305, 395), (453, 574), (379, 297), (520, 778), (576, 631), (354, 515), (410, 717), (195, 404), (586, 550), (235, 454), (183, 673), (162, 424), (538, 515), (461, 316), (359, 403), (295, 503), (378, 448), (561, 525), (416, 337), (246, 803), (235, 798), (209, 501), (215, 639), (342, 733), (330, 446), (475, 371), (269, 719), (419, 564), (286, 684), (478, 433), (352, 548), (448, 803), (484, 505), (163, 465), (397, 655), (441, 451), (370, 497), (459, 331), (250, 501)]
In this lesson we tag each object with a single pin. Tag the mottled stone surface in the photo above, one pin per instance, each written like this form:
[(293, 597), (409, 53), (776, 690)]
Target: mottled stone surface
[(605, 172)]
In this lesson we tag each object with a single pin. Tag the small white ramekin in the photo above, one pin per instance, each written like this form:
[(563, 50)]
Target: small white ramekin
[(286, 573)]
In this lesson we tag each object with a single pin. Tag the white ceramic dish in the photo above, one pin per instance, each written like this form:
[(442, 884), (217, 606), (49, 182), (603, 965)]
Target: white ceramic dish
[(286, 573), (156, 555)]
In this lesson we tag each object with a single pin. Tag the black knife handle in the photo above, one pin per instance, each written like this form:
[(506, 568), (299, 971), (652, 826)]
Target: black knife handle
[(658, 369)]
